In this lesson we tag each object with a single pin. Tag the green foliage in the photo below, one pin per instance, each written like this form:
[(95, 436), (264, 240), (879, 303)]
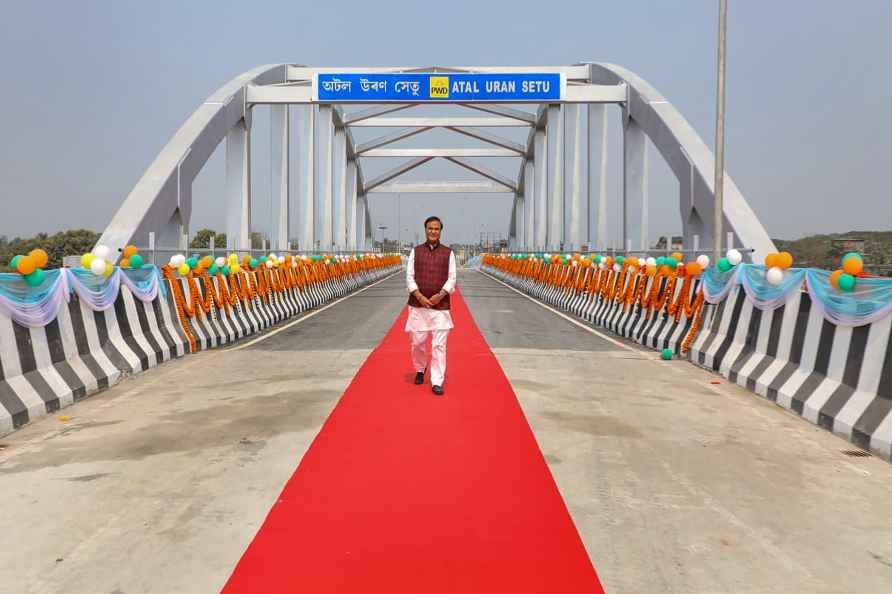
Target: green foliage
[(819, 251), (202, 239), (64, 243)]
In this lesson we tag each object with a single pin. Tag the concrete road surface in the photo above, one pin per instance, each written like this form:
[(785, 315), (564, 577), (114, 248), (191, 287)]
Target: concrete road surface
[(675, 484)]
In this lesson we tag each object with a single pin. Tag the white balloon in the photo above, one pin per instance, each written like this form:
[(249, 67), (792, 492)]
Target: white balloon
[(568, 256), (177, 260), (102, 252), (294, 263), (273, 256), (679, 264), (651, 261), (573, 263), (269, 263), (703, 261), (281, 259), (734, 257), (774, 276), (220, 261), (97, 266), (617, 267), (304, 258), (547, 256)]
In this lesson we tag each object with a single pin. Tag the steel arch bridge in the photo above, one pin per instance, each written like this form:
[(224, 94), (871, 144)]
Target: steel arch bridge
[(333, 191)]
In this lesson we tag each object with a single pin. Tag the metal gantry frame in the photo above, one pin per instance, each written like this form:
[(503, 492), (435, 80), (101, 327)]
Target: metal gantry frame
[(546, 213)]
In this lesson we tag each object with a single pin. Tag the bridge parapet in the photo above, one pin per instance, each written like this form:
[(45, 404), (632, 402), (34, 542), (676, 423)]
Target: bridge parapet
[(825, 355)]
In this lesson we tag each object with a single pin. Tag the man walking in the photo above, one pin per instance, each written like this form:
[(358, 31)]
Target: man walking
[(430, 279)]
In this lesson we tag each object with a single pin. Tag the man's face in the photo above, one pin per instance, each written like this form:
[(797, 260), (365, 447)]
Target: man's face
[(433, 231)]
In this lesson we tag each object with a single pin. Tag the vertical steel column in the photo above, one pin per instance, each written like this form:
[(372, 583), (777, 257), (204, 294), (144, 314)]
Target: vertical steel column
[(555, 137), (540, 178), (279, 186), (351, 204), (634, 144), (578, 227), (529, 203), (519, 240), (361, 243), (306, 150), (339, 189), (238, 186), (369, 230), (597, 121), (645, 203), (325, 141)]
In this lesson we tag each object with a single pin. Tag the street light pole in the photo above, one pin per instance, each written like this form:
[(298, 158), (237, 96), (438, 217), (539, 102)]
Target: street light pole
[(720, 136)]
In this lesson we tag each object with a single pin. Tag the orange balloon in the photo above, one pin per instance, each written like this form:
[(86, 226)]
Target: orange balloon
[(693, 268), (785, 260), (26, 265), (632, 260), (834, 278), (130, 250), (771, 260), (124, 263), (40, 257), (853, 266), (206, 262), (664, 269)]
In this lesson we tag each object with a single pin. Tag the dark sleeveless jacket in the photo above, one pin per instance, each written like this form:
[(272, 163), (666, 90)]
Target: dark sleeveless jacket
[(431, 273)]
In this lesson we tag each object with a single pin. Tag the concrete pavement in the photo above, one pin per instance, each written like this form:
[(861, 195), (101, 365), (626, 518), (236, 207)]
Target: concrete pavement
[(675, 485)]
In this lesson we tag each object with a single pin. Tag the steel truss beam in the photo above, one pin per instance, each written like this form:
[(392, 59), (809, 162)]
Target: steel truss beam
[(485, 172), (441, 187), (440, 152), (394, 173)]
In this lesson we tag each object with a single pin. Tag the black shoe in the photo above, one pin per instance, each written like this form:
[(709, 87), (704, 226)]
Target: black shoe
[(438, 390), (419, 378)]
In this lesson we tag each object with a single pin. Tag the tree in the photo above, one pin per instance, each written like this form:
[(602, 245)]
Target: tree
[(65, 243), (202, 239)]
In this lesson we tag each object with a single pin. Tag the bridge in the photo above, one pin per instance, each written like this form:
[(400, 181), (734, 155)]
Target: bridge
[(615, 419)]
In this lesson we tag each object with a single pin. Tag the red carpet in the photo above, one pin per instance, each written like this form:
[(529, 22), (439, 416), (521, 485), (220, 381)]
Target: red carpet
[(407, 492)]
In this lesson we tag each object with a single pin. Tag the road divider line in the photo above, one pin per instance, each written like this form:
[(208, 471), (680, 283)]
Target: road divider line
[(308, 316)]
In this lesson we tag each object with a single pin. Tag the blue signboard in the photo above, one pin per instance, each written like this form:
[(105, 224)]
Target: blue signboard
[(437, 87)]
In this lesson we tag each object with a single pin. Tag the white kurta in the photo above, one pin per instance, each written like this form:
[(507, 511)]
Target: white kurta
[(422, 319), (432, 325)]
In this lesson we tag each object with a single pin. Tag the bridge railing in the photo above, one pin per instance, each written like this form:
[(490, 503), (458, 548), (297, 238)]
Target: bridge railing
[(799, 339)]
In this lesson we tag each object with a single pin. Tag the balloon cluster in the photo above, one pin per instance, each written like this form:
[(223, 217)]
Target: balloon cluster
[(31, 266), (131, 259), (732, 258), (777, 263), (99, 261), (844, 278), (184, 265)]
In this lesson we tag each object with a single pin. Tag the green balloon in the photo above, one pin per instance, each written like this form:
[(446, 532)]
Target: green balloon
[(620, 260), (226, 271), (213, 270), (263, 259), (136, 262), (724, 265), (598, 259), (846, 283), (15, 261), (192, 262), (851, 255), (35, 279), (667, 354), (253, 263)]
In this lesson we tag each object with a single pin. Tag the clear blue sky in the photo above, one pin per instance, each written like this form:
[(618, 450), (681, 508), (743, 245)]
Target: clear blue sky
[(93, 90)]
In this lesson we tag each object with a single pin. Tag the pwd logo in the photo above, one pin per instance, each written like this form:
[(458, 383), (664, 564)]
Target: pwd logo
[(439, 87)]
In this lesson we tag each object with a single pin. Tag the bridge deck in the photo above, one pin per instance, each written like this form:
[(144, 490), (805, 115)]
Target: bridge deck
[(674, 484)]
